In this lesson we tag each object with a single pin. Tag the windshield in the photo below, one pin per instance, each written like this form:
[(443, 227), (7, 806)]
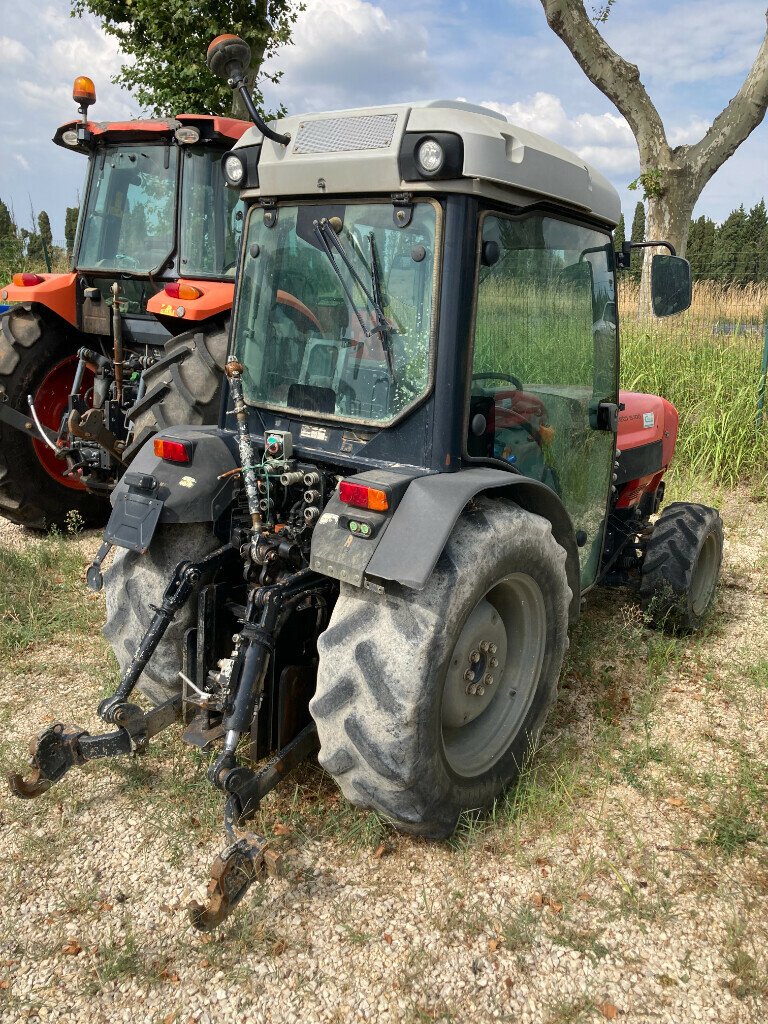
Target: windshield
[(211, 217), (337, 328), (129, 219)]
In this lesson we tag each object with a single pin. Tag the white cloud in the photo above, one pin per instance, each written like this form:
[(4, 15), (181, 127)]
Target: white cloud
[(13, 51), (21, 160), (689, 133), (604, 140), (350, 53)]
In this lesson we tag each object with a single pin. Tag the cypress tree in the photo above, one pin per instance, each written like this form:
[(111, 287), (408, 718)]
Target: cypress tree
[(70, 228), (638, 235)]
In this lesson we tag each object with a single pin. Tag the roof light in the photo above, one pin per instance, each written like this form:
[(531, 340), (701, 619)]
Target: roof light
[(69, 137), (172, 451), (84, 91), (27, 280), (362, 496), (234, 169), (187, 134), (430, 156), (179, 290)]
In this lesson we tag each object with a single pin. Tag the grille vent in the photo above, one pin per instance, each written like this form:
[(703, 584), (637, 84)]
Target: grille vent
[(346, 134)]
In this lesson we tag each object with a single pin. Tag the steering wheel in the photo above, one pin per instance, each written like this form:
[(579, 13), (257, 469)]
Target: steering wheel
[(499, 376)]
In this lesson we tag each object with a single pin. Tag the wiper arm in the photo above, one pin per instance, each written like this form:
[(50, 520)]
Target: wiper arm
[(329, 241), (378, 305)]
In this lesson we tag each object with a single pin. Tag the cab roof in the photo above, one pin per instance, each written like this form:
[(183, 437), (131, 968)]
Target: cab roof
[(360, 150), (223, 130)]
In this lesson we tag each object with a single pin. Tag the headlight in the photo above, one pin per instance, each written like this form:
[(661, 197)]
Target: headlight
[(70, 137), (430, 156), (234, 169)]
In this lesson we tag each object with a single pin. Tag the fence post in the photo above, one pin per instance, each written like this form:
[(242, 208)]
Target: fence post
[(763, 376)]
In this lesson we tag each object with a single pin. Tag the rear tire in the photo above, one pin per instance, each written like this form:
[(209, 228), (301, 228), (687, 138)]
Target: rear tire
[(398, 731), (183, 386), (30, 346), (681, 566), (134, 582)]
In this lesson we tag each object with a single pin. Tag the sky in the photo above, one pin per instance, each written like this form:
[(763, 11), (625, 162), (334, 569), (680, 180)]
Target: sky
[(693, 56)]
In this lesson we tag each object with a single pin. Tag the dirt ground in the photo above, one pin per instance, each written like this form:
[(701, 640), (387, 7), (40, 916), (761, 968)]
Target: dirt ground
[(624, 878)]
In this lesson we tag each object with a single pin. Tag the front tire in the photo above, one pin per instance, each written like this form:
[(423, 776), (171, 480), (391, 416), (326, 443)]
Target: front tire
[(681, 566), (398, 730)]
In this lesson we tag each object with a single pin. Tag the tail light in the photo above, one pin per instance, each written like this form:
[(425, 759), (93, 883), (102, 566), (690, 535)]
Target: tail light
[(173, 451), (179, 290), (27, 280), (361, 496)]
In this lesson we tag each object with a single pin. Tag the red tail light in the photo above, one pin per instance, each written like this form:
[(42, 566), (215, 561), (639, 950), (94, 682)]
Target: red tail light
[(178, 290), (363, 497), (27, 280), (173, 451)]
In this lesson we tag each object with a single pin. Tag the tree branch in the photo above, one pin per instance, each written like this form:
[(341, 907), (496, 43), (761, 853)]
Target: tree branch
[(614, 76), (734, 124)]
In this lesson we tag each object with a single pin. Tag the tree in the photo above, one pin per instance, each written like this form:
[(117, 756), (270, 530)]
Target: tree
[(638, 234), (166, 42), (70, 227), (672, 178), (7, 224), (619, 235)]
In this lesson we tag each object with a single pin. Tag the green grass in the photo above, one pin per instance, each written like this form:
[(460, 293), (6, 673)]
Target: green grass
[(43, 595)]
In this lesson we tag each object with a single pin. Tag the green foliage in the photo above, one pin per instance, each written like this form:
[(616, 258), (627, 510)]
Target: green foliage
[(651, 181), (70, 227), (735, 251), (619, 234), (638, 235), (602, 11), (165, 42)]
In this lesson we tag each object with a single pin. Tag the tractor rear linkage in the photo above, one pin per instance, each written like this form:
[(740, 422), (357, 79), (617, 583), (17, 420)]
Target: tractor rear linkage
[(61, 747)]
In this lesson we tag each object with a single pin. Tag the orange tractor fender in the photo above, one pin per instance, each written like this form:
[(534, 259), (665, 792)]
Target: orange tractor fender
[(54, 291), (188, 299)]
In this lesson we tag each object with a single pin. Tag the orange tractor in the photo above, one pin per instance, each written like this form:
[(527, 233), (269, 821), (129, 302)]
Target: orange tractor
[(133, 339)]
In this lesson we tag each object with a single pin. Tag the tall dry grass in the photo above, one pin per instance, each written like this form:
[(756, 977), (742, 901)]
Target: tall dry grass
[(707, 362)]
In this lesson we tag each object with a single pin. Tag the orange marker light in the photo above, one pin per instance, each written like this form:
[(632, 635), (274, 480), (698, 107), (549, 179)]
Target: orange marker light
[(27, 280), (177, 290), (84, 91)]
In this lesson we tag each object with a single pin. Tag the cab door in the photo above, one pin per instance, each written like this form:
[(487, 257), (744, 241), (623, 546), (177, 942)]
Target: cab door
[(544, 392)]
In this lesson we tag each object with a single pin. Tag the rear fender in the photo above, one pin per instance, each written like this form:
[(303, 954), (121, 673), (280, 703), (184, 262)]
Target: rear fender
[(155, 491), (407, 548), (56, 292)]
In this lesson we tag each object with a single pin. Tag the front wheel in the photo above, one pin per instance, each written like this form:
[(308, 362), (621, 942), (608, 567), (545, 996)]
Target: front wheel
[(428, 703)]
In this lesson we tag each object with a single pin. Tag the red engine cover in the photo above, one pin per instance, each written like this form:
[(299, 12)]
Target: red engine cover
[(646, 438)]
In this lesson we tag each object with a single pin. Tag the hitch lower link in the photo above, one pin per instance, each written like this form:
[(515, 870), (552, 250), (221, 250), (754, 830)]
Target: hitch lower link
[(247, 858)]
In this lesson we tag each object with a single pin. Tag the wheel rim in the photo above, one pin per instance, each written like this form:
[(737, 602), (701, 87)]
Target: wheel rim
[(50, 400), (705, 575), (478, 725)]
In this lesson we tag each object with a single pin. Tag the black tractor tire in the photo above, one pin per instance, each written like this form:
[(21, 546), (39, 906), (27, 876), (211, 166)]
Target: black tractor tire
[(30, 346), (183, 386), (681, 566), (134, 582), (398, 731)]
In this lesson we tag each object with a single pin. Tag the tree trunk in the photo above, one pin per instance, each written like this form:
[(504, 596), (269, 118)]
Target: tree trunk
[(668, 219)]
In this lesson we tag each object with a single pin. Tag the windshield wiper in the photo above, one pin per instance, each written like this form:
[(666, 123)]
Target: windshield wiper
[(329, 241), (378, 305)]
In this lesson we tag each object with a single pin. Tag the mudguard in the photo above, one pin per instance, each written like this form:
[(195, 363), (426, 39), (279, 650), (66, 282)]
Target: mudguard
[(408, 548), (155, 491)]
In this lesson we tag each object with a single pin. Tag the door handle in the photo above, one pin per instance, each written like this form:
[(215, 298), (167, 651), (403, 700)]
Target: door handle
[(604, 416)]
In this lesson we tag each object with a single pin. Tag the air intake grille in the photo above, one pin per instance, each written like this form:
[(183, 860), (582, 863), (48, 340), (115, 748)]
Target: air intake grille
[(345, 134)]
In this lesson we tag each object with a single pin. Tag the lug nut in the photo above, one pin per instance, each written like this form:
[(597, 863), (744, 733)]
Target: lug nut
[(492, 648), (474, 657), (493, 662), (469, 676), (480, 690), (488, 680), (484, 646), (472, 689)]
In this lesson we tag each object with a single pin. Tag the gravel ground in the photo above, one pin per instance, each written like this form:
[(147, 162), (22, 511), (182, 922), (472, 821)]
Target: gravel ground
[(625, 878)]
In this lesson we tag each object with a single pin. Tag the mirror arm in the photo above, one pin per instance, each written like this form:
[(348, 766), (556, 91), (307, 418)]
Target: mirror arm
[(623, 257), (237, 81)]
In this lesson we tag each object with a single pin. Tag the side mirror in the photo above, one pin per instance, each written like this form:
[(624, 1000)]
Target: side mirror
[(671, 288)]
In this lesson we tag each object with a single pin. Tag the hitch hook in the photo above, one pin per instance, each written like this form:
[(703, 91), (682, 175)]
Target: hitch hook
[(52, 754), (234, 871)]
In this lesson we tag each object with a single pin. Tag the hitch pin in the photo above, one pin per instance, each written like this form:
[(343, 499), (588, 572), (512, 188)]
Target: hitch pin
[(40, 428)]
